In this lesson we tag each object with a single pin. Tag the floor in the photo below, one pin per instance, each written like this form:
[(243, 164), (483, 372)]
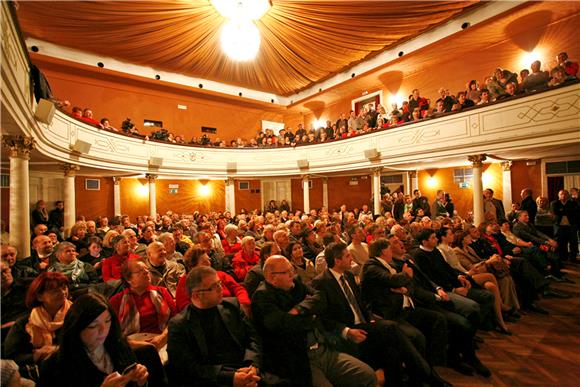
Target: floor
[(543, 351)]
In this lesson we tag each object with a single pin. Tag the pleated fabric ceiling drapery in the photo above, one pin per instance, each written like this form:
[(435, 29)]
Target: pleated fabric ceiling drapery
[(302, 41)]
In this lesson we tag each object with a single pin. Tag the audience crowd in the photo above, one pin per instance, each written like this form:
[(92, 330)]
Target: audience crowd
[(500, 85), (279, 297)]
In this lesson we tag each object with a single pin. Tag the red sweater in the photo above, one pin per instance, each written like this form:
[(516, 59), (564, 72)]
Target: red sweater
[(242, 263), (111, 266), (230, 288)]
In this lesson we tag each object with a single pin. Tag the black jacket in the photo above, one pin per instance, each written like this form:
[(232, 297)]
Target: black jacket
[(285, 336), (436, 268), (188, 351)]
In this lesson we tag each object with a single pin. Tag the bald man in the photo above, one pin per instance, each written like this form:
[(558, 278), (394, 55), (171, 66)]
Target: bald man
[(42, 255), (163, 272), (294, 345)]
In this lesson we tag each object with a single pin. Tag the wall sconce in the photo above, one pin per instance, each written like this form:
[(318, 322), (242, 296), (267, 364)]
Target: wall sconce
[(431, 182), (203, 189)]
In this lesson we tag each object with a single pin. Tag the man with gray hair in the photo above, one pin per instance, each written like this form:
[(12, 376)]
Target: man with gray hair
[(294, 345), (211, 342), (163, 272)]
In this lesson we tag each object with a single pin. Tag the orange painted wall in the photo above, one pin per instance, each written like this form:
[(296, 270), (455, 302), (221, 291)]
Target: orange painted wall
[(341, 192), (249, 199), (135, 196), (5, 206), (92, 204), (462, 197), (117, 98), (298, 194), (524, 176)]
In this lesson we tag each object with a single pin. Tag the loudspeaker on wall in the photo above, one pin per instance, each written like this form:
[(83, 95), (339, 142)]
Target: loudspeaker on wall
[(44, 111), (81, 146)]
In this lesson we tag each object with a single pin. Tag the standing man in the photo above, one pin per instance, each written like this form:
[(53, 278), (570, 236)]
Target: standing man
[(492, 207), (566, 219), (529, 204), (420, 201)]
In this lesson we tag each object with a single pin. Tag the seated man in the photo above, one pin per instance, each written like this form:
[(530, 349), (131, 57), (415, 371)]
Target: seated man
[(42, 256), (294, 346), (163, 272), (477, 305), (461, 332), (380, 343), (8, 254), (13, 295), (210, 342)]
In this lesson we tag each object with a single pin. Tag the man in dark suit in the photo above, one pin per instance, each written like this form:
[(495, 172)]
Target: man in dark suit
[(475, 304), (461, 332), (529, 204), (379, 343), (41, 258), (294, 346), (566, 221), (210, 342), (420, 201), (388, 294)]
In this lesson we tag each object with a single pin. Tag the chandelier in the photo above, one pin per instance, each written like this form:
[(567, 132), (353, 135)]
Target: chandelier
[(240, 38)]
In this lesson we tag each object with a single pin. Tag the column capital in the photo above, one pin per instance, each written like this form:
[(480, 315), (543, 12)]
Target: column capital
[(412, 174), (70, 170), (117, 180), (476, 160), (506, 166), (230, 180), (377, 169), (18, 146), (151, 177), (304, 177)]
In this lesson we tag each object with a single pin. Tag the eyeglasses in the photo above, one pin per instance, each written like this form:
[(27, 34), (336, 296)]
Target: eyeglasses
[(215, 286), (142, 271), (289, 271)]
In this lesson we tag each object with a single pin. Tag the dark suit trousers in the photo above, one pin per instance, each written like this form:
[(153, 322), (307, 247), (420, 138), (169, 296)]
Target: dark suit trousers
[(461, 333), (527, 279), (432, 326), (387, 347)]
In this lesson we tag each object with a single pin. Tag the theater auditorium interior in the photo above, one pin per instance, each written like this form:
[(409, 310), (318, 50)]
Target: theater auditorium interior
[(430, 150)]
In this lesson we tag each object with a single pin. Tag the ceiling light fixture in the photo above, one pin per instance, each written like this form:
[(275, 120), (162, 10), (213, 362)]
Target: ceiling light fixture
[(240, 38)]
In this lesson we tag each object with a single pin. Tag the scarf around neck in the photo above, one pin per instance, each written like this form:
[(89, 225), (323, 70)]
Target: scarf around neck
[(74, 270), (129, 314), (41, 327)]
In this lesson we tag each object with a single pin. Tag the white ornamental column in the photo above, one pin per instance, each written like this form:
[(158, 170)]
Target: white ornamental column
[(414, 181), (507, 185), (306, 192), (477, 164), (231, 195), (19, 148), (70, 171), (117, 195), (152, 195), (377, 190), (325, 192)]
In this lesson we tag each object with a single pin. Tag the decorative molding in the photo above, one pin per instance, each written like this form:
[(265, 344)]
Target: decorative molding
[(70, 170), (506, 165), (151, 178), (477, 160), (18, 146)]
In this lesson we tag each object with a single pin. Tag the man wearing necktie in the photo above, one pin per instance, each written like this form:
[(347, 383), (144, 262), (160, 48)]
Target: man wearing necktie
[(389, 296), (380, 343)]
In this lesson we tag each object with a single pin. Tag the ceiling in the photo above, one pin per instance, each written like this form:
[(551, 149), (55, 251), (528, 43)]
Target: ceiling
[(303, 41)]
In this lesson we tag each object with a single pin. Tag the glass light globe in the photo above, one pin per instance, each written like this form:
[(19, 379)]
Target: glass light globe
[(240, 40)]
